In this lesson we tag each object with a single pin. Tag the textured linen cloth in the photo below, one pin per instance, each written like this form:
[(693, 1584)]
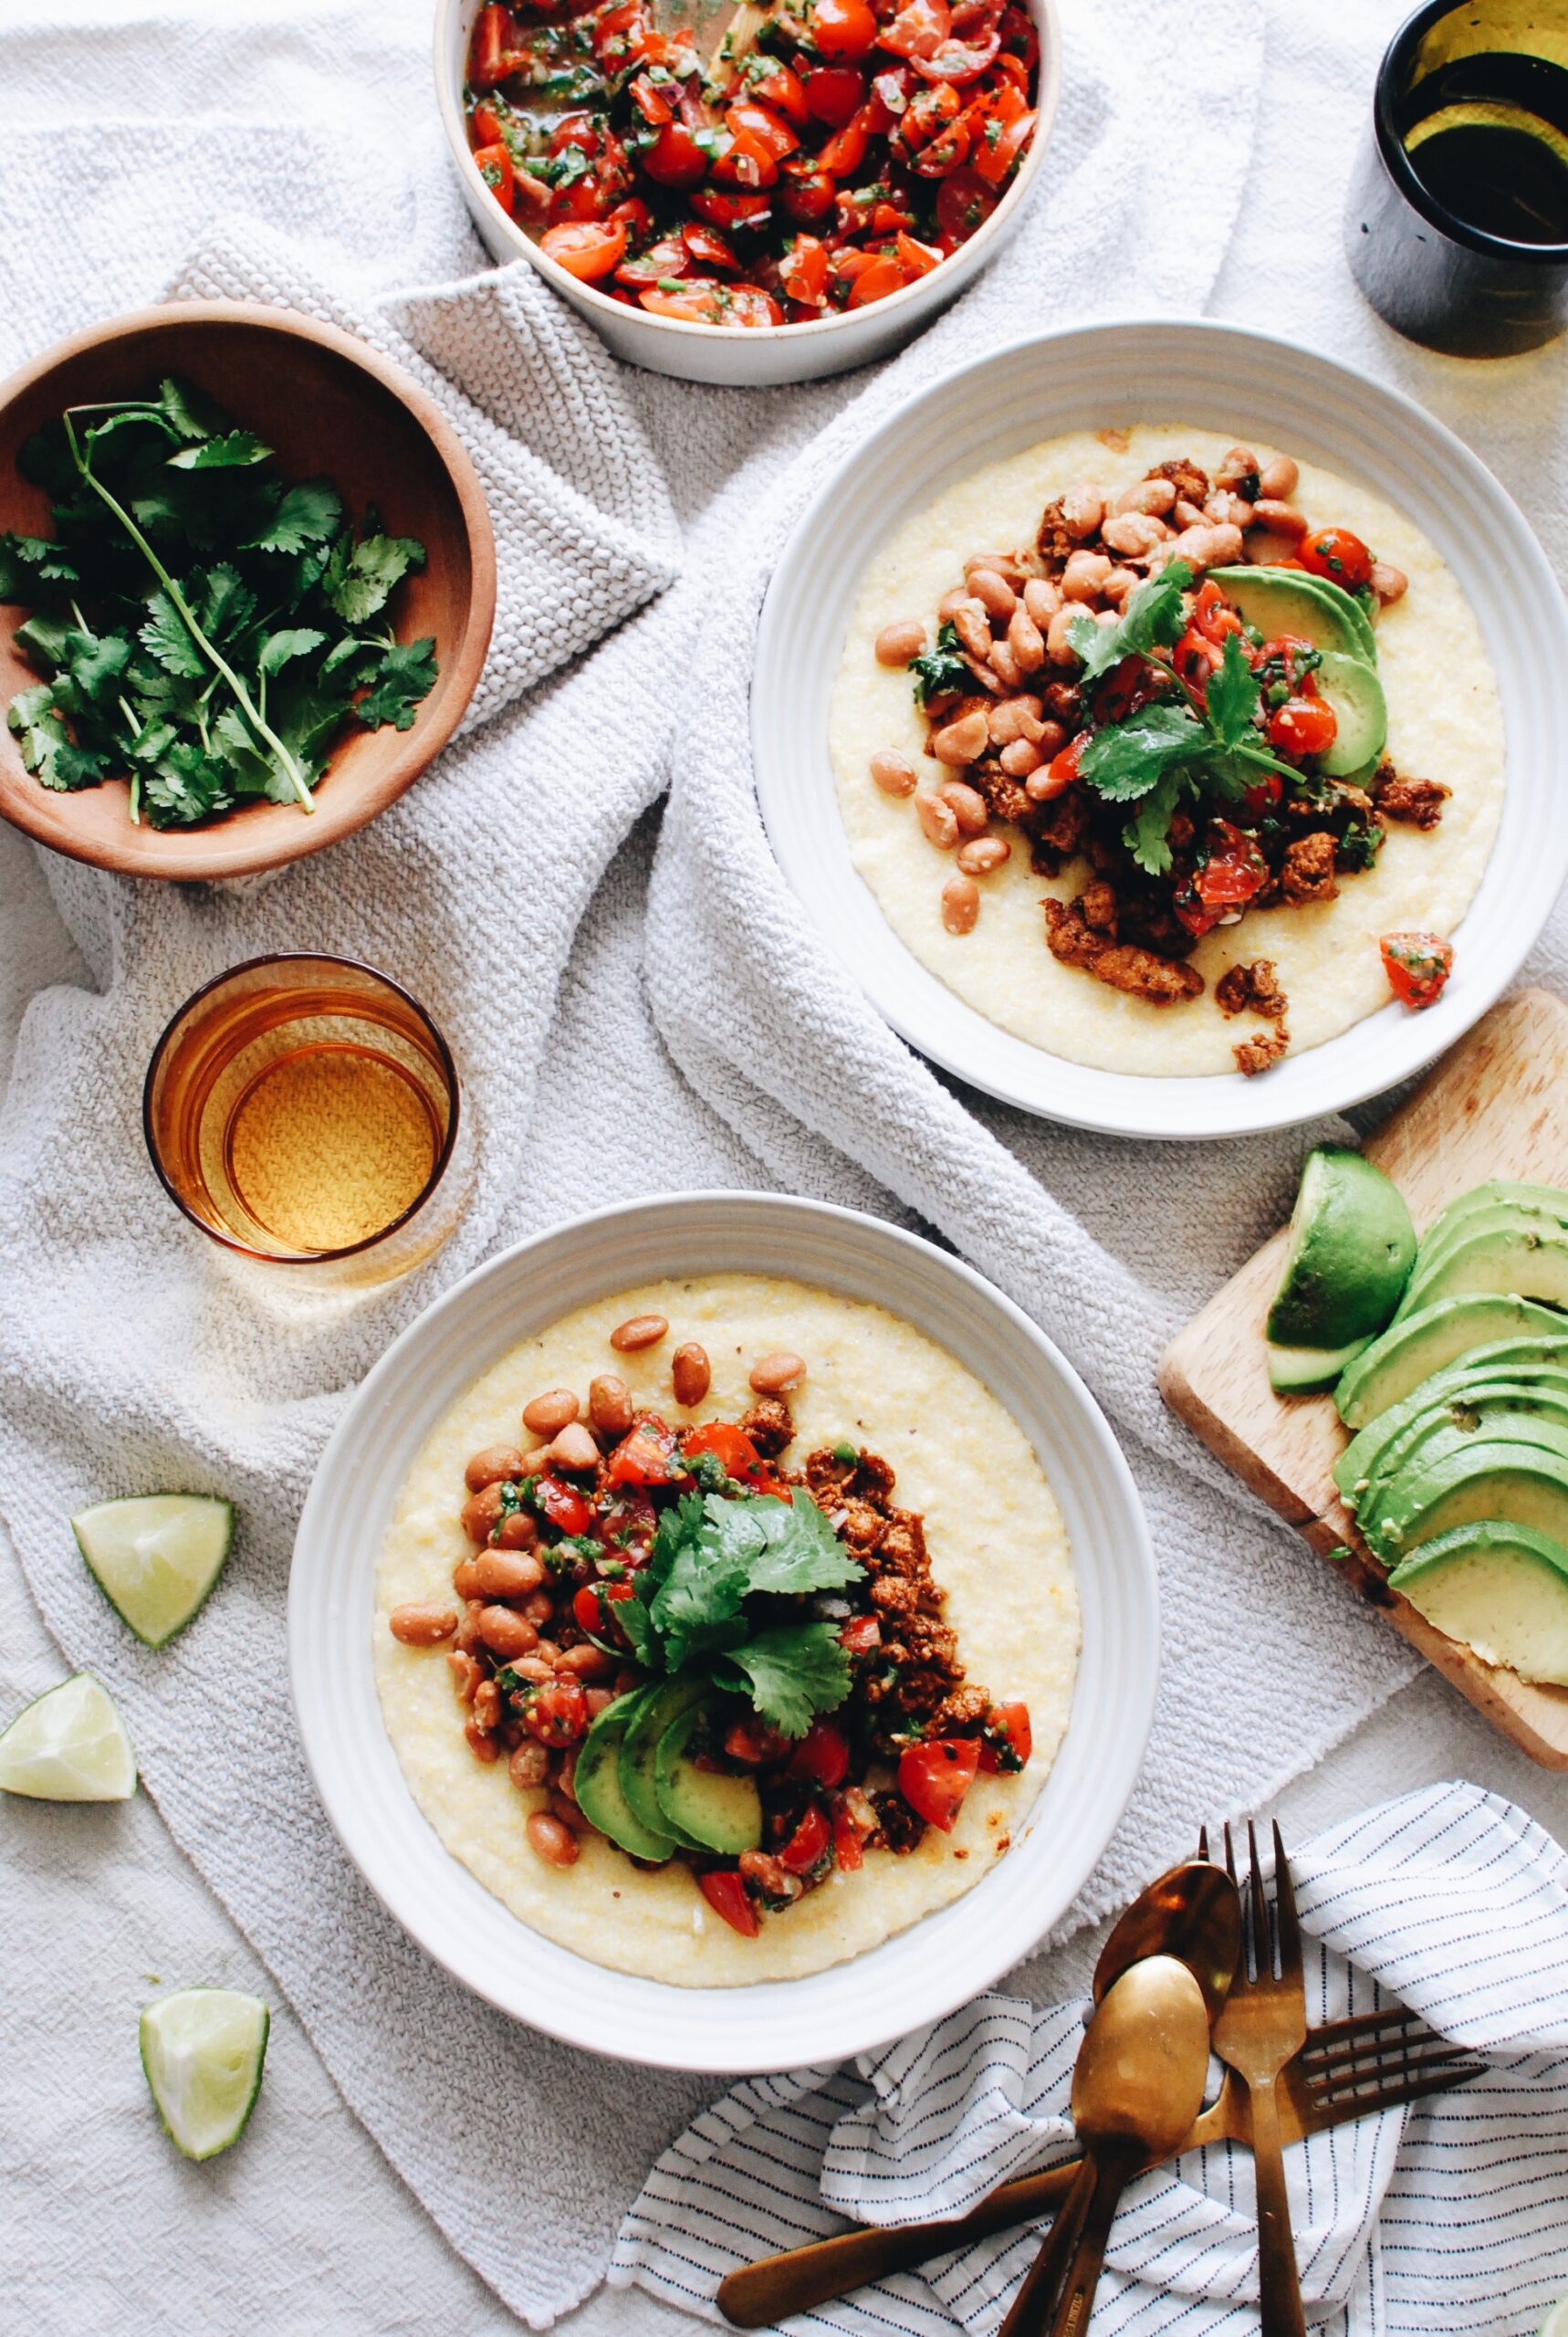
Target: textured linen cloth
[(129, 1359), (1447, 2214)]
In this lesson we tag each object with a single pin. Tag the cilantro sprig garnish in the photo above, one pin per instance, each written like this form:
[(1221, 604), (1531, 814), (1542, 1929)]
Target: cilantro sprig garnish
[(1183, 745), (713, 1553), (230, 626)]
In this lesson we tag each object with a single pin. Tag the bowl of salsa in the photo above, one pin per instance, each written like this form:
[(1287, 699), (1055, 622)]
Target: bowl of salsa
[(754, 195)]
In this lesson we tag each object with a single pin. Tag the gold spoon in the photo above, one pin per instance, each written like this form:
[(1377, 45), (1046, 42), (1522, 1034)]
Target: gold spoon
[(1137, 2088)]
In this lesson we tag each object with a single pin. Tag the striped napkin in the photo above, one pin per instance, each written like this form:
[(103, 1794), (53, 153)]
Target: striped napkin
[(1451, 2216)]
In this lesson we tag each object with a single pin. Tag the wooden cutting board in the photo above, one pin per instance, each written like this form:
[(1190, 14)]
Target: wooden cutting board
[(1496, 1106)]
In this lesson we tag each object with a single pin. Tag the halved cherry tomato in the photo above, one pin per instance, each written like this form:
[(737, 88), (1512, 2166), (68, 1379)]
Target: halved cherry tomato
[(485, 124), (809, 1844), (806, 193), (731, 1447), (494, 165), (1263, 794), (623, 35), (489, 59), (850, 261), (849, 1850), (834, 94), (874, 283), (860, 1634), (591, 1606), (767, 128), (668, 258), (724, 209), (1125, 688), (1234, 869), (557, 1712), (999, 145), (750, 306), (964, 203), (585, 249), (958, 60), (756, 1742), (635, 216), (1418, 965), (777, 84), (1335, 553), (744, 161), (650, 101), (846, 150), (917, 258), (934, 1777), (1061, 772), (929, 111), (1007, 1740), (1196, 659), (803, 271), (699, 300), (628, 1525), (918, 30), (647, 1456), (843, 28), (726, 1893), (674, 158), (579, 129), (707, 246), (823, 1753), (1304, 726), (563, 1505), (1212, 614)]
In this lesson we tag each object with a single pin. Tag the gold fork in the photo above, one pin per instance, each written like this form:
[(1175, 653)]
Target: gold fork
[(1262, 2029)]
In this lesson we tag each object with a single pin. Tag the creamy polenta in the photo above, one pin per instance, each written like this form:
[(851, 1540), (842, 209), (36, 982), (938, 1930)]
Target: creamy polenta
[(998, 1550), (1445, 724)]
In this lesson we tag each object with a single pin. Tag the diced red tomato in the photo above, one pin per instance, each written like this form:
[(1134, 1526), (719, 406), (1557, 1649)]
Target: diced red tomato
[(1061, 772), (627, 1528), (860, 1634), (934, 1777), (756, 1743), (726, 1893), (767, 128), (849, 1850), (842, 29), (1234, 869), (946, 150), (916, 259), (958, 60), (846, 150), (723, 209), (659, 262), (1417, 966), (999, 145), (834, 94), (778, 86), (592, 1604), (674, 158), (1335, 553), (744, 161), (874, 283), (646, 1455), (803, 271), (489, 58), (584, 249), (1007, 1739), (1304, 726), (579, 129), (563, 1505), (964, 204), (707, 246), (494, 165), (557, 1712), (1127, 686), (823, 1753), (731, 1447), (918, 30), (810, 1845), (748, 305), (1264, 794), (485, 125), (635, 216)]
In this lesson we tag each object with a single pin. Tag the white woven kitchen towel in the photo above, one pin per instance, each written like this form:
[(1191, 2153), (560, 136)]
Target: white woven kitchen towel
[(1448, 2214)]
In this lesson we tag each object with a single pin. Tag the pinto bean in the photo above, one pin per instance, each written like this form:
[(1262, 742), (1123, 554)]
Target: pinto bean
[(468, 1629), (1118, 584), (1277, 519), (539, 1607), (481, 1512), (537, 1666), (897, 642), (488, 1704), (1041, 599), (508, 1573), (481, 1743), (423, 1622), (893, 772), (776, 1375), (638, 1331), (1084, 574), (549, 1839), (936, 822), (1082, 509), (973, 626), (960, 904), (467, 1673), (1205, 547), (1227, 511), (563, 1806), (1014, 717), (587, 1662), (1278, 480), (494, 1465), (1005, 666), (1151, 496), (1058, 642), (574, 1448), (550, 1413), (597, 1700), (465, 1578), (964, 741), (968, 806), (947, 607), (1237, 464), (1021, 757), (691, 1373), (994, 593), (517, 1531), (984, 855), (507, 1633), (1027, 642), (1134, 534), (1187, 513), (530, 1765), (1389, 583), (609, 1407)]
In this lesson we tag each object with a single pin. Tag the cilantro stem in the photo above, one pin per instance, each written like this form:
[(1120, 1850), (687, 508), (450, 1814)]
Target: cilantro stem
[(242, 697)]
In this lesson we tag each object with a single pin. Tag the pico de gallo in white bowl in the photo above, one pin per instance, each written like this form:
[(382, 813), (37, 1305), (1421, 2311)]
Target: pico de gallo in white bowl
[(785, 197)]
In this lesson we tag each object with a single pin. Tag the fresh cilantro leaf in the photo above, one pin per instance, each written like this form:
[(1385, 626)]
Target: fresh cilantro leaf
[(295, 641), (44, 640), (235, 450), (939, 672), (95, 666), (791, 1672), (1123, 760), (633, 1615), (185, 786), (405, 675), (1150, 618), (166, 634), (47, 748), (1147, 832), (27, 563), (374, 567), (1359, 845), (186, 410), (309, 514), (1231, 700), (227, 604), (787, 1546)]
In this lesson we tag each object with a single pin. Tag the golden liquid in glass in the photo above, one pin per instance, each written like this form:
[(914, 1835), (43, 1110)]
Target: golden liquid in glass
[(330, 1144)]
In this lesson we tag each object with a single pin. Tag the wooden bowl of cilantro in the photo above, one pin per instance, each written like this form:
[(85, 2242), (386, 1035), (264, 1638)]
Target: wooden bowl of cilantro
[(246, 585)]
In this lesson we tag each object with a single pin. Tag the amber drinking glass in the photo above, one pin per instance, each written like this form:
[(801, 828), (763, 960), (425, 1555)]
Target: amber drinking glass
[(305, 1111)]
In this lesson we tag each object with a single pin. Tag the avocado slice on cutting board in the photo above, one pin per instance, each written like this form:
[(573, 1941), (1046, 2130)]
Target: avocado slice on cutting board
[(1506, 1259), (665, 1706), (1348, 1256), (1501, 1587), (1314, 608), (597, 1781), (1495, 1414), (1350, 685), (1498, 1192), (1524, 1484), (1499, 1217), (722, 1812), (1303, 1371), (1479, 1328), (1464, 1382)]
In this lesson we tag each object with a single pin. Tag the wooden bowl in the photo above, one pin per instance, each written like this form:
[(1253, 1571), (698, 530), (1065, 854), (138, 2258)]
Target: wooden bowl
[(331, 407)]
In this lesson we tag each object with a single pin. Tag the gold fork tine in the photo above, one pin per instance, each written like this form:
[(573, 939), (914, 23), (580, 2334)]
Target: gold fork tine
[(1285, 1918), (1258, 1910), (1363, 2025)]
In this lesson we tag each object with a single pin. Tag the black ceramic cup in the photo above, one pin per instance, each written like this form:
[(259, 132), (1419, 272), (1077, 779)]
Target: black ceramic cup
[(1458, 224)]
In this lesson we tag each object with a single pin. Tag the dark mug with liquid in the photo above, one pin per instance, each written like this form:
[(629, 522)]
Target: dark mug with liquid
[(1458, 224)]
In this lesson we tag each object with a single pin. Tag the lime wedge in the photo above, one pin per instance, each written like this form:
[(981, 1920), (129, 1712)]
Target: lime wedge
[(1351, 1249), (68, 1745), (203, 2052), (156, 1555)]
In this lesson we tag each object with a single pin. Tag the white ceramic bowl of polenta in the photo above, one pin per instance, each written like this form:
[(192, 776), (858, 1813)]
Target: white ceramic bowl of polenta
[(1035, 1535), (1468, 660)]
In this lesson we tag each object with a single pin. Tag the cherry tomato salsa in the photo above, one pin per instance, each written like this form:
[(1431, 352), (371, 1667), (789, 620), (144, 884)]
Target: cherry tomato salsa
[(851, 150)]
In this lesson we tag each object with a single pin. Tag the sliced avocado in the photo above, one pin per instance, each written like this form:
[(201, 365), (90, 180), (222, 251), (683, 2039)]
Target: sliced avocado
[(1298, 1371), (1511, 1262), (1519, 1482), (1465, 1383), (1497, 1190), (597, 1782), (1480, 1328), (1498, 1217), (1499, 1588), (657, 1709), (723, 1813), (1499, 1414), (1352, 688), (1314, 608), (1349, 1254)]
